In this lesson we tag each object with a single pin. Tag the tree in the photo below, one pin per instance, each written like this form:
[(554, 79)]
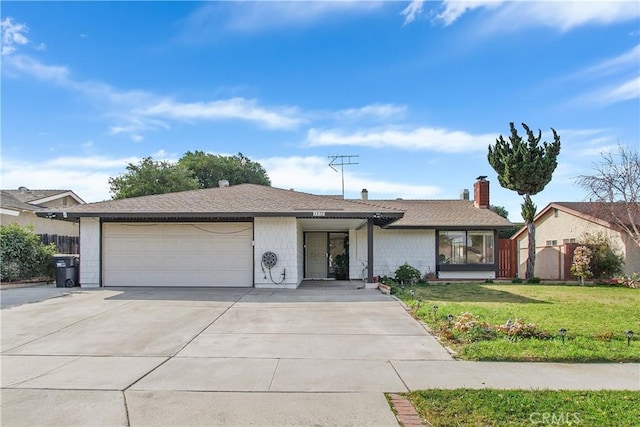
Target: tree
[(615, 185), (23, 255), (500, 210), (209, 169), (581, 263), (152, 177), (525, 167)]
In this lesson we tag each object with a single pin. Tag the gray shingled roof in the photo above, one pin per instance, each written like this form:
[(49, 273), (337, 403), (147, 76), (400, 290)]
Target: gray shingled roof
[(592, 211), (600, 210), (244, 200), (31, 195), (9, 201), (442, 213), (249, 200)]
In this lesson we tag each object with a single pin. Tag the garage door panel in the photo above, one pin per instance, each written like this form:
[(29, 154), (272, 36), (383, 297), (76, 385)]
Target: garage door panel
[(178, 254)]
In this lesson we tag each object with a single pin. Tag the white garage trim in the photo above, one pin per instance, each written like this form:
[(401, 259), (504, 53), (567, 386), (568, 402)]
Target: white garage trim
[(213, 254)]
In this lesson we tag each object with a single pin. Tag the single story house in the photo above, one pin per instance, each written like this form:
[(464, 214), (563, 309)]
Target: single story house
[(559, 227), (20, 206), (257, 236)]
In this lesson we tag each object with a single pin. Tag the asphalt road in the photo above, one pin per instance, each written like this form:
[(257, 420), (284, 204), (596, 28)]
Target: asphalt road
[(11, 297)]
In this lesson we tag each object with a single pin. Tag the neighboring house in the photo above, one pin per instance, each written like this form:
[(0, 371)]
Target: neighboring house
[(19, 206), (250, 235), (559, 227)]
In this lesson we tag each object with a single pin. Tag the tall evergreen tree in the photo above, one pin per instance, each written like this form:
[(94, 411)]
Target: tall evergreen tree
[(525, 167)]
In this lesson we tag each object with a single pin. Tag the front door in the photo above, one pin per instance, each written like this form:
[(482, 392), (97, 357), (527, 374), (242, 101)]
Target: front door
[(326, 255), (316, 255)]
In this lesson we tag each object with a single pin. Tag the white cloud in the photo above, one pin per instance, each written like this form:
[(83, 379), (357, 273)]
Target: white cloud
[(88, 177), (13, 34), (625, 91), (598, 150), (312, 174), (561, 15), (454, 9), (91, 162), (566, 15), (376, 111), (625, 61), (254, 17), (613, 80), (234, 108), (412, 11), (422, 138), (585, 142), (15, 65), (136, 111), (41, 47)]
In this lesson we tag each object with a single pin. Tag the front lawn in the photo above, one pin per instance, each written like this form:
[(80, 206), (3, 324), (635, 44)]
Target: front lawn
[(464, 407), (514, 322)]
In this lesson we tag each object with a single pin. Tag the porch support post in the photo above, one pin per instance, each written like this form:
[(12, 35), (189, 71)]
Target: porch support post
[(370, 250)]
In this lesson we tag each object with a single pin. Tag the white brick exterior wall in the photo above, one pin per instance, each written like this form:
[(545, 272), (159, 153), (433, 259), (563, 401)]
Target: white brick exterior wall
[(476, 275), (281, 236), (391, 249), (90, 252), (300, 252)]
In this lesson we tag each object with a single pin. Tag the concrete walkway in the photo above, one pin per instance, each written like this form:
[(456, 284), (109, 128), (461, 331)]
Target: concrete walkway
[(312, 356)]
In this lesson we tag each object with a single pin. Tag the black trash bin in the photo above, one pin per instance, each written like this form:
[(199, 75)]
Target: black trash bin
[(66, 267)]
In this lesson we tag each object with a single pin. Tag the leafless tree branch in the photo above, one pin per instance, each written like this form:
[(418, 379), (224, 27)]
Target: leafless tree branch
[(615, 187)]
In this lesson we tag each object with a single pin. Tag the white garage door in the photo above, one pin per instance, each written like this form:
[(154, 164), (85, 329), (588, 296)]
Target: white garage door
[(178, 254)]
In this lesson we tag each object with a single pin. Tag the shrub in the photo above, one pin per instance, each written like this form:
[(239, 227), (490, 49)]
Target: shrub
[(468, 328), (519, 329), (472, 329), (516, 280), (605, 261), (580, 267), (387, 280), (23, 255), (407, 274), (533, 280), (632, 281)]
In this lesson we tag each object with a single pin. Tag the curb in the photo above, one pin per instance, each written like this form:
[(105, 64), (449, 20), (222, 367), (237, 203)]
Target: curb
[(405, 412)]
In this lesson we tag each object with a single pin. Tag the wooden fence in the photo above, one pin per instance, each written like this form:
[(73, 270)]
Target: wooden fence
[(507, 258), (64, 244)]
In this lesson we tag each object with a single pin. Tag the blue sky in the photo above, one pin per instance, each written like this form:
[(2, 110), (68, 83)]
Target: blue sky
[(417, 90)]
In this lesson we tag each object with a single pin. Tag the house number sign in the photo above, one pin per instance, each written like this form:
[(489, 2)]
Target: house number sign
[(318, 213)]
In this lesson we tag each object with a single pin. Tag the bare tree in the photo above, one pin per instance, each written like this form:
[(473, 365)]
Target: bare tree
[(615, 185)]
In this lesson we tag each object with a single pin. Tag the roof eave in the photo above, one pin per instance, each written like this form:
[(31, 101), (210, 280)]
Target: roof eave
[(65, 193), (386, 216), (452, 227)]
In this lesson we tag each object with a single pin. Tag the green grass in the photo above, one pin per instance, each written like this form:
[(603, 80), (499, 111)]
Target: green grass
[(596, 319), (465, 407)]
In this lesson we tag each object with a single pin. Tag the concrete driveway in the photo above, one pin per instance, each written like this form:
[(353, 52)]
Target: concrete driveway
[(235, 357), (312, 356)]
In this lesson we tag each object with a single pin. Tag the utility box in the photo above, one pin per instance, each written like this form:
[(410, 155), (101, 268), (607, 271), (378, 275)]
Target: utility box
[(66, 267)]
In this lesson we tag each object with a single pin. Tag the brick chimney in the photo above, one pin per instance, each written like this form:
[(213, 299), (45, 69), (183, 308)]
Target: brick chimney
[(364, 194), (481, 193)]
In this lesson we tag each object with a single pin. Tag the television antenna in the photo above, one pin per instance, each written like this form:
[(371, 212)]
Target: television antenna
[(342, 161)]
